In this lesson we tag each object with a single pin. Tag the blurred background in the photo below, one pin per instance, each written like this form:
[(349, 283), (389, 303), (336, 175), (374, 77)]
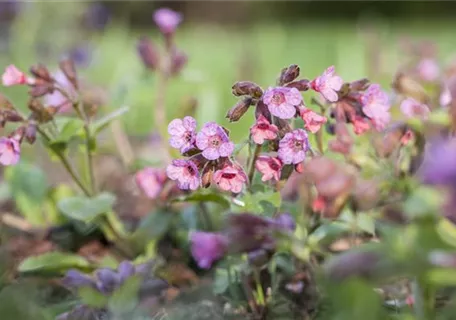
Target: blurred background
[(225, 41)]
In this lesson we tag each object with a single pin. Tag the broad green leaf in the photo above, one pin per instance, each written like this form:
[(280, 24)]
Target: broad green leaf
[(92, 297), (447, 231), (125, 298), (205, 196), (328, 232), (424, 202), (53, 262), (221, 281), (27, 179), (69, 128), (260, 202), (153, 226), (86, 209), (102, 123), (442, 277)]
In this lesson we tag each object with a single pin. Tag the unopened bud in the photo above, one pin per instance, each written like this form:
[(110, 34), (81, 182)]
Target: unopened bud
[(410, 88), (236, 112), (30, 132), (12, 116), (247, 88), (40, 88), (41, 72), (69, 70), (299, 168), (289, 74), (178, 62), (301, 85), (148, 53), (40, 113), (19, 134), (206, 177), (359, 85)]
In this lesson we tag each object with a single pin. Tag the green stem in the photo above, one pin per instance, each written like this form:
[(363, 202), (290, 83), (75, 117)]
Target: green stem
[(259, 289), (424, 299), (205, 217), (253, 159), (88, 137)]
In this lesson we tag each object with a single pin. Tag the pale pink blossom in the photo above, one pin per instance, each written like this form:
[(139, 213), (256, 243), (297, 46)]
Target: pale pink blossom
[(360, 125), (293, 147), (269, 167), (9, 151), (445, 97), (13, 76), (428, 70), (214, 142), (167, 20), (328, 84), (230, 178), (412, 108), (376, 106), (185, 172), (151, 181), (57, 99), (282, 101), (263, 130), (312, 120), (183, 134)]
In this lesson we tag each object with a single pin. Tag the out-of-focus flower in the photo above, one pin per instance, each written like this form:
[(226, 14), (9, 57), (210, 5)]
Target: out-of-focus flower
[(293, 147), (282, 101), (360, 125), (263, 130), (126, 269), (376, 106), (343, 142), (284, 221), (151, 180), (312, 120), (185, 172), (428, 70), (183, 133), (81, 54), (57, 99), (178, 61), (439, 167), (97, 16), (230, 178), (328, 84), (108, 280), (9, 151), (412, 108), (167, 20), (13, 76), (148, 53), (269, 167), (214, 142), (445, 96), (76, 279), (207, 247), (319, 204)]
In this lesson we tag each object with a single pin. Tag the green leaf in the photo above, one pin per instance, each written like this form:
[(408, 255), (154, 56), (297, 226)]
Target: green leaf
[(92, 297), (442, 277), (86, 209), (328, 232), (424, 202), (70, 128), (102, 123), (221, 282), (53, 262), (125, 298), (260, 202), (205, 196), (27, 179), (153, 226), (447, 231)]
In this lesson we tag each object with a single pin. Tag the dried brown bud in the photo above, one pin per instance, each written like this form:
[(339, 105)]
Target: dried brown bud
[(69, 70), (40, 88), (30, 132), (335, 185), (41, 72), (385, 145), (262, 110), (40, 113), (283, 125), (247, 88), (12, 116), (148, 53), (178, 61), (236, 112), (359, 85), (410, 88), (288, 74), (206, 177), (301, 85)]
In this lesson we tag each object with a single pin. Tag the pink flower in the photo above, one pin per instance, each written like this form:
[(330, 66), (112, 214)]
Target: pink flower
[(230, 178), (214, 142), (57, 99), (319, 204), (263, 130), (360, 125), (9, 151), (269, 167), (151, 180), (312, 120), (282, 101), (293, 147), (207, 247), (167, 20), (13, 76), (328, 84), (376, 106), (412, 108), (185, 173), (428, 70), (182, 133), (445, 97)]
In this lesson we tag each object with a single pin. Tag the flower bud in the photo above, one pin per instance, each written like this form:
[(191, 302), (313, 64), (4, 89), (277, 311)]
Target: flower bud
[(148, 53), (247, 88), (299, 168), (301, 85), (289, 74), (75, 279), (178, 61), (40, 88), (359, 85), (41, 72), (206, 176), (40, 113), (236, 112), (69, 70), (108, 280), (410, 88), (30, 132)]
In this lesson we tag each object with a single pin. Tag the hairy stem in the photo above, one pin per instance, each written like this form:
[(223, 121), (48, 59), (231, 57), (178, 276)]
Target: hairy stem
[(253, 159)]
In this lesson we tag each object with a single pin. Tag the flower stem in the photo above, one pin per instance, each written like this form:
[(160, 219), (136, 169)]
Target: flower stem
[(424, 299), (253, 159)]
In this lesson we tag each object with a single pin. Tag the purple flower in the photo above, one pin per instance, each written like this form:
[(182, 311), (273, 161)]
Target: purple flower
[(376, 106), (167, 20), (185, 172), (75, 279), (439, 167), (214, 142), (412, 108), (293, 147), (230, 178), (428, 70), (207, 247), (285, 221), (9, 151), (183, 133), (108, 280), (57, 99), (282, 101), (328, 84), (151, 181), (125, 270)]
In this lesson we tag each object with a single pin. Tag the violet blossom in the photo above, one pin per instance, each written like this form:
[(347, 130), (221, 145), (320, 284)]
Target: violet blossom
[(214, 142), (412, 108), (428, 70), (312, 120), (151, 181), (376, 106), (269, 167), (293, 147), (263, 130), (185, 172), (282, 101), (230, 178), (328, 84), (207, 247), (57, 99), (167, 20), (183, 133), (9, 151)]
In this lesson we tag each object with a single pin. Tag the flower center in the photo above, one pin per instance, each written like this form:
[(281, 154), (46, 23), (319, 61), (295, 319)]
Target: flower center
[(263, 126), (191, 170), (278, 98), (188, 136), (215, 141), (274, 166), (228, 175), (297, 145)]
